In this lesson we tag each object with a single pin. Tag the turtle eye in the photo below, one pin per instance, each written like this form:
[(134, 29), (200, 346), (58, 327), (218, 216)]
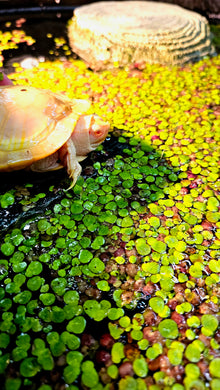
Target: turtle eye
[(99, 132), (97, 126)]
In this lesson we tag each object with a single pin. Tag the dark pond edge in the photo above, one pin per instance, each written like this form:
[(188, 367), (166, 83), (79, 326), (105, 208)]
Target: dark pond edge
[(34, 10)]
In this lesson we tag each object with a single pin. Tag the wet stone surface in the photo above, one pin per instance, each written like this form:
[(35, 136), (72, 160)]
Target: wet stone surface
[(106, 33)]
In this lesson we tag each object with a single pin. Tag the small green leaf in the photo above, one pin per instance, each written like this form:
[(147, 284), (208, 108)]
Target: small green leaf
[(140, 367), (96, 265), (77, 325), (117, 352), (7, 200), (142, 247), (214, 368), (157, 304), (34, 268), (29, 367), (7, 249), (89, 376), (85, 256), (103, 285), (168, 328), (157, 245)]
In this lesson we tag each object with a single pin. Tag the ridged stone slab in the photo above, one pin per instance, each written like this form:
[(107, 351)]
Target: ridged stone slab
[(109, 32)]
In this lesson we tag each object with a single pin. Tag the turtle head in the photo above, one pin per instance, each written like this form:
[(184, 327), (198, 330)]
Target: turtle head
[(90, 132), (98, 130)]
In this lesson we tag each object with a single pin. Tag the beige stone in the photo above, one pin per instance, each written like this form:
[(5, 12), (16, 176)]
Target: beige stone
[(109, 32)]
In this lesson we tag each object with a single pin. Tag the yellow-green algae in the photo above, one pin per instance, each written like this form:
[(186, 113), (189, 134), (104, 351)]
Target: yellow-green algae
[(145, 228), (174, 104)]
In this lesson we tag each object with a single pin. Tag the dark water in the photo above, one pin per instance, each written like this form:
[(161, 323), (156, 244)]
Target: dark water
[(44, 28)]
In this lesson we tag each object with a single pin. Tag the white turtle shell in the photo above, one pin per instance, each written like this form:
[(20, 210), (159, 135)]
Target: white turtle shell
[(34, 123)]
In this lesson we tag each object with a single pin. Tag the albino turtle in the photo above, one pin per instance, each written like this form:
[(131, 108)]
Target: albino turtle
[(45, 131)]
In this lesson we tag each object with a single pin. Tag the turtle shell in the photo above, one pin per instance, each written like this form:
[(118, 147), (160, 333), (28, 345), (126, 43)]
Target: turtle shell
[(34, 123)]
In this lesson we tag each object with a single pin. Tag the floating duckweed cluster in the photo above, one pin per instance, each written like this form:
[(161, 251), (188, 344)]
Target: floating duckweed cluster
[(10, 40), (116, 286)]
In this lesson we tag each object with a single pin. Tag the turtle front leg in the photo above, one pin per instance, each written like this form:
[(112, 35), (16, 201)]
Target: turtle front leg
[(67, 155)]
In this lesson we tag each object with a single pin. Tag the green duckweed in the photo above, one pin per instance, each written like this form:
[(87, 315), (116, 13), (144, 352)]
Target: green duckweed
[(209, 324), (154, 351), (90, 377), (193, 351), (117, 352), (175, 353), (140, 367), (214, 368), (130, 237), (29, 367), (112, 371), (7, 199), (168, 328), (132, 383)]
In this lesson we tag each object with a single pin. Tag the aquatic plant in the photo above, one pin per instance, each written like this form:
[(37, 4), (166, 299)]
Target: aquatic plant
[(116, 285)]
